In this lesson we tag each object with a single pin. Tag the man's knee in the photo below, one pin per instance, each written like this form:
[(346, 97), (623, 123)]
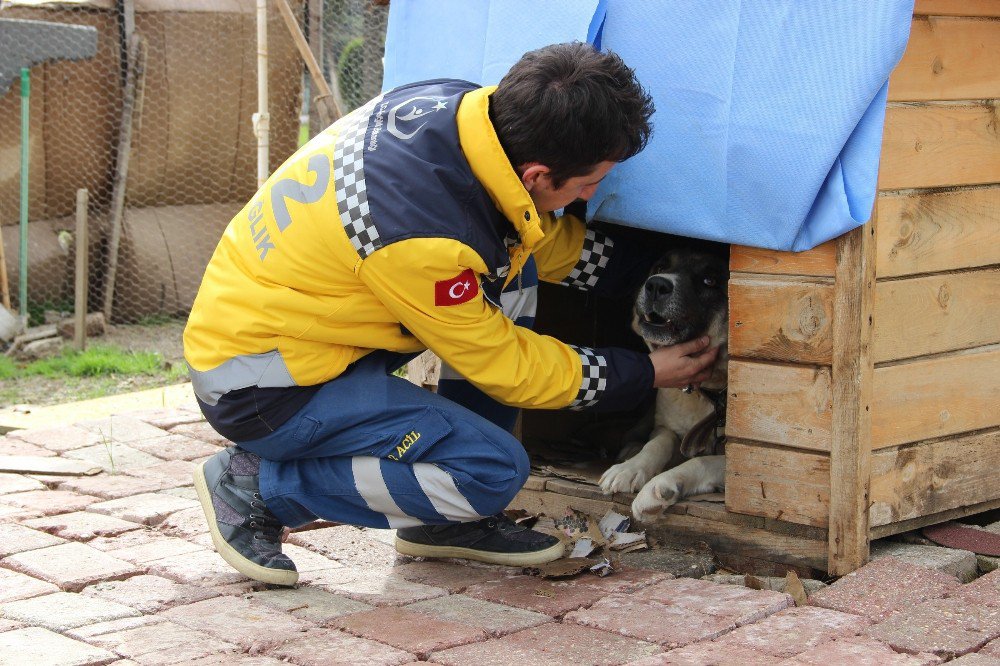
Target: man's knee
[(513, 459)]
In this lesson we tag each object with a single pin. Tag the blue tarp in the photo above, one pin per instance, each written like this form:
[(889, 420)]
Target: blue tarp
[(769, 114)]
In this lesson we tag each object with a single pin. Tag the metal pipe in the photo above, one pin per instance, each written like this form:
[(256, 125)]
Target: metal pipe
[(261, 119), (23, 256)]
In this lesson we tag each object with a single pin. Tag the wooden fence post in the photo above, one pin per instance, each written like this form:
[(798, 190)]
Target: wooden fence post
[(853, 366), (81, 281)]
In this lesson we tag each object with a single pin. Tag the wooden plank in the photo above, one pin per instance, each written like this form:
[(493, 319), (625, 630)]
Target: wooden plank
[(948, 58), (779, 483), (933, 519), (938, 145), (957, 7), (681, 528), (781, 319), (931, 477), (781, 404), (936, 397), (938, 313), (45, 465), (938, 231), (819, 261), (850, 452)]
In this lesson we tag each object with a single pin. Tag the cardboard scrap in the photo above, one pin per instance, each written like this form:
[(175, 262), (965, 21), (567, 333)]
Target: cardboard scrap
[(563, 568), (577, 525), (613, 522), (795, 588), (583, 548), (602, 568), (627, 542)]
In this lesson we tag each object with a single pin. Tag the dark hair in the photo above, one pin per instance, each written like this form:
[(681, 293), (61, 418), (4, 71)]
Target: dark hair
[(570, 107)]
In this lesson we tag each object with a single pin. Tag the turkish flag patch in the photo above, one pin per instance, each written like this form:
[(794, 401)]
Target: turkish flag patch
[(460, 289)]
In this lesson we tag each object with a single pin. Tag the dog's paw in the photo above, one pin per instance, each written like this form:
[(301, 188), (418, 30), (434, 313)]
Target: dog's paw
[(656, 497), (626, 477)]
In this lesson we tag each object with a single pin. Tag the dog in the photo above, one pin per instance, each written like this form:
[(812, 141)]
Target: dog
[(685, 296)]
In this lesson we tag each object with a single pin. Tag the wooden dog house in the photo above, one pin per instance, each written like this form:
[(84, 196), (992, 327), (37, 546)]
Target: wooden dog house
[(864, 385)]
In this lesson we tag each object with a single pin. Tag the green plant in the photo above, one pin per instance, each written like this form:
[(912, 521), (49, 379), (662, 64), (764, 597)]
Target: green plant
[(96, 361), (8, 369)]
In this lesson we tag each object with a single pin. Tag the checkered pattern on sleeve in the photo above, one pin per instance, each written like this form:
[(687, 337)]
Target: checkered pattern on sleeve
[(349, 181), (595, 378), (594, 257)]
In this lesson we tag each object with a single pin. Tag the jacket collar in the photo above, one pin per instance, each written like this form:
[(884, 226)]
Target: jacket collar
[(493, 170)]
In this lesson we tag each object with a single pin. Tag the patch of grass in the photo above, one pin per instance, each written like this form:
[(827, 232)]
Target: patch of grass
[(95, 361), (303, 134), (8, 369)]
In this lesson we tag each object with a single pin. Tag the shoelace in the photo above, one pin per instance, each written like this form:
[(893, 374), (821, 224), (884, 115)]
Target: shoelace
[(267, 527), (502, 523)]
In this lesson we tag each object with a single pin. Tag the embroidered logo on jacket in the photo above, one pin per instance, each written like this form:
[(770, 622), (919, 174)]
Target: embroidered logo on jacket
[(460, 289)]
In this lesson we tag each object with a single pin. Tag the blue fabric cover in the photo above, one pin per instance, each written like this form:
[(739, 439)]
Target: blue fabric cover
[(769, 114)]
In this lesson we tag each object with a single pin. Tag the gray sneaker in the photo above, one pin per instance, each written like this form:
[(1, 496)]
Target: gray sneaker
[(245, 533)]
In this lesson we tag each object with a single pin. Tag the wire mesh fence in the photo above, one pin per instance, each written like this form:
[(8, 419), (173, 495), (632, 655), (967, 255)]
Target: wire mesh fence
[(158, 129)]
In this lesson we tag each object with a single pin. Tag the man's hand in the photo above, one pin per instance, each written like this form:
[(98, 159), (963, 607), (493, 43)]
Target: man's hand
[(688, 363)]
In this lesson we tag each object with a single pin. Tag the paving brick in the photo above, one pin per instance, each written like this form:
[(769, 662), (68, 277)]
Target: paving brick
[(959, 563), (774, 583), (10, 513), (18, 483), (670, 626), (452, 577), (987, 563), (187, 492), (351, 545), (81, 525), (141, 536), (115, 486), (60, 611), (48, 502), (985, 591), (858, 651), (85, 632), (549, 645), (166, 418), (329, 647), (410, 631), (494, 619), (175, 447), (64, 438), (186, 524), (71, 566), (252, 626), (309, 603), (149, 594), (114, 457), (307, 561), (200, 567), (739, 605), (975, 659), (18, 539), (161, 642), (10, 625), (203, 431), (946, 627), (708, 652), (122, 428), (156, 549), (550, 597), (795, 630), (15, 586), (236, 660), (18, 447), (884, 586), (992, 648), (147, 508), (379, 587), (176, 472), (41, 647)]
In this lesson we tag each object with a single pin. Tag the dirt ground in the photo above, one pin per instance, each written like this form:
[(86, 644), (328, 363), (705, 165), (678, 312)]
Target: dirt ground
[(162, 338)]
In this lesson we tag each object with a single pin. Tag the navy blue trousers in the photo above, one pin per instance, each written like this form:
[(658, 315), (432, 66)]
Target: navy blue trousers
[(374, 450)]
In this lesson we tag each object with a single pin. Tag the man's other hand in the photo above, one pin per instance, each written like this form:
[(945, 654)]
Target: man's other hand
[(684, 364)]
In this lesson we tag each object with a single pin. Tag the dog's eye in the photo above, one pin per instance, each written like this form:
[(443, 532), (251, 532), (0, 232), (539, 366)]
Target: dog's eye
[(709, 282)]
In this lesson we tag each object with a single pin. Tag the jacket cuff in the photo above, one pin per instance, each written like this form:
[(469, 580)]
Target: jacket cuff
[(613, 379)]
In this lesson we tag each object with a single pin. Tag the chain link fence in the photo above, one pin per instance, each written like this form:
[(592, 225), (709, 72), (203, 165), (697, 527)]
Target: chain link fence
[(182, 158)]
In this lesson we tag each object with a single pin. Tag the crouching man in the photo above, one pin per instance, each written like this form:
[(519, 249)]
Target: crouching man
[(414, 223)]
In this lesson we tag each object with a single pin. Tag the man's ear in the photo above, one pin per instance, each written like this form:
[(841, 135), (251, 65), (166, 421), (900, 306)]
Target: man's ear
[(531, 172)]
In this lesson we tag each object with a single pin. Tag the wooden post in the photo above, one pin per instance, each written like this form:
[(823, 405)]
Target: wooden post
[(80, 297), (325, 103), (853, 366), (316, 10), (4, 285)]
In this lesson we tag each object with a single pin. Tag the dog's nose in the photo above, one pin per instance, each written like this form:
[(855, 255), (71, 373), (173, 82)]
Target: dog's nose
[(657, 286)]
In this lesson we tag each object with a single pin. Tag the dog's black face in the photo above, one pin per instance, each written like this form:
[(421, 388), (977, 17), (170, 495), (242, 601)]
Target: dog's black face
[(685, 295)]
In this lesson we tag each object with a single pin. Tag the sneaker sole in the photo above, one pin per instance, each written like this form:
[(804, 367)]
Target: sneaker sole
[(229, 554), (553, 552)]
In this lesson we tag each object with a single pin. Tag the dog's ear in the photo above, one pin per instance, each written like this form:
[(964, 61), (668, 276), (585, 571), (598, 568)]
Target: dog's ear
[(700, 440)]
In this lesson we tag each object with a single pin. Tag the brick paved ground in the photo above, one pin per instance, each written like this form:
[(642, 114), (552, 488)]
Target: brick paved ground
[(118, 568)]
